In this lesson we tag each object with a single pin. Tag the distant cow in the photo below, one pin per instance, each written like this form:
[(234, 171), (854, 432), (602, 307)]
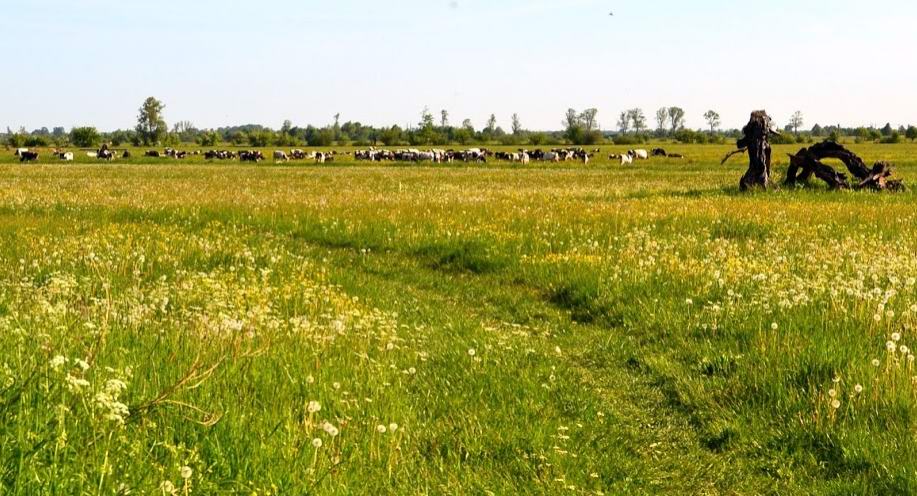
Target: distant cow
[(639, 154), (675, 155), (65, 156), (126, 154), (28, 156), (659, 152), (152, 153), (105, 154), (627, 159), (20, 151), (280, 156)]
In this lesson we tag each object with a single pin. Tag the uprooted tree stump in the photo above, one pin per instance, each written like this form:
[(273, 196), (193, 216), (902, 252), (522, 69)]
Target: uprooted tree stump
[(754, 140), (808, 162)]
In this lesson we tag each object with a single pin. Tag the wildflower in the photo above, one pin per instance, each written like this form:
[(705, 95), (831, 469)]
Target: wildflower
[(186, 472), (876, 362), (57, 362), (774, 326), (310, 379), (836, 404), (412, 371), (74, 384), (392, 427), (336, 385), (891, 346), (330, 429), (904, 350), (858, 388), (832, 393), (313, 406), (877, 317), (380, 429), (471, 352), (689, 301), (896, 337), (82, 364), (167, 487), (390, 346), (317, 443)]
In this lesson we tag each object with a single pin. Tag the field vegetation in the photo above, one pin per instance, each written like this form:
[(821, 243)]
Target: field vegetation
[(186, 327)]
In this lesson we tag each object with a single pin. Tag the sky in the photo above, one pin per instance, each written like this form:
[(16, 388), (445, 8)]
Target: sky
[(226, 62)]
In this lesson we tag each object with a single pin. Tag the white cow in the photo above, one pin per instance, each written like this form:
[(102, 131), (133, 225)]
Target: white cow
[(20, 151), (626, 159), (66, 157), (551, 157), (280, 156), (525, 158), (639, 154)]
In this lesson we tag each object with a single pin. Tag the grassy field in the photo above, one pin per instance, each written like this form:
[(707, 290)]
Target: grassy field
[(191, 328)]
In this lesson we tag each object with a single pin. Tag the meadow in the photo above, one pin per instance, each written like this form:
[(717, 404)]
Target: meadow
[(184, 327)]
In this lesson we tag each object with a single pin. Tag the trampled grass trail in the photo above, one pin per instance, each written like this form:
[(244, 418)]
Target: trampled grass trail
[(420, 330)]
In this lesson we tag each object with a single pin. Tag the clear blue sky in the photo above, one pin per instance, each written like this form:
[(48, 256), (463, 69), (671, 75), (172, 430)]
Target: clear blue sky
[(214, 62)]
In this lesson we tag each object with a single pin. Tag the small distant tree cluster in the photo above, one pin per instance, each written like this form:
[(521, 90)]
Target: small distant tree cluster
[(582, 128), (85, 137)]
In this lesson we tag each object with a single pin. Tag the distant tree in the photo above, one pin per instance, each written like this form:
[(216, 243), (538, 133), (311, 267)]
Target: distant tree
[(151, 127), (637, 119), (463, 135), (287, 127), (392, 136), (911, 133), (624, 122), (713, 120), (466, 124), (491, 124), (571, 119), (887, 130), (817, 130), (588, 119), (426, 119), (662, 117), (209, 138), (796, 122), (516, 125), (676, 118), (443, 118), (84, 137), (59, 132)]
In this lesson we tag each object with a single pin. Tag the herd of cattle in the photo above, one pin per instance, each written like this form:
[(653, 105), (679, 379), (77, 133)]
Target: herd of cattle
[(477, 155)]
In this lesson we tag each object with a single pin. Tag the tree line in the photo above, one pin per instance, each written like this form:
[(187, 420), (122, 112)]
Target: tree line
[(579, 128)]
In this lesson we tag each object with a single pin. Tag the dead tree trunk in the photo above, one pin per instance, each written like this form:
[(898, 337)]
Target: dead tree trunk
[(755, 140), (808, 162)]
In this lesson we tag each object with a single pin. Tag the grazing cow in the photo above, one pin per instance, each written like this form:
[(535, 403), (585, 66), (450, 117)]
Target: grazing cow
[(152, 153), (627, 159), (639, 154), (280, 156), (551, 157), (251, 156), (20, 151), (126, 154), (659, 152), (28, 156), (675, 155), (65, 156), (524, 158), (105, 154)]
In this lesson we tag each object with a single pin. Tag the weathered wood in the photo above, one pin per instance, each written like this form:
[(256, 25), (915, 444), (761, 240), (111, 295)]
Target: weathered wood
[(755, 140), (808, 162)]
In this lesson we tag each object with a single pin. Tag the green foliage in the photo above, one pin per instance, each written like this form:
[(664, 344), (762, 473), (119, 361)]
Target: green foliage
[(209, 138), (151, 127), (911, 133), (85, 137)]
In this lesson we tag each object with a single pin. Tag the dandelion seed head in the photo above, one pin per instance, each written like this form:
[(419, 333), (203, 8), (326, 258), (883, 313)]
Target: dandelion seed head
[(186, 472), (836, 404), (317, 443), (380, 429)]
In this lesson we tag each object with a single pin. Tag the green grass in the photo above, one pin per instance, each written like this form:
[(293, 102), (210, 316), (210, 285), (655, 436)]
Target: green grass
[(530, 330)]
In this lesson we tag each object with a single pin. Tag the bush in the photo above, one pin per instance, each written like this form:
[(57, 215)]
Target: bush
[(629, 139), (784, 139), (84, 137), (31, 141), (892, 139)]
